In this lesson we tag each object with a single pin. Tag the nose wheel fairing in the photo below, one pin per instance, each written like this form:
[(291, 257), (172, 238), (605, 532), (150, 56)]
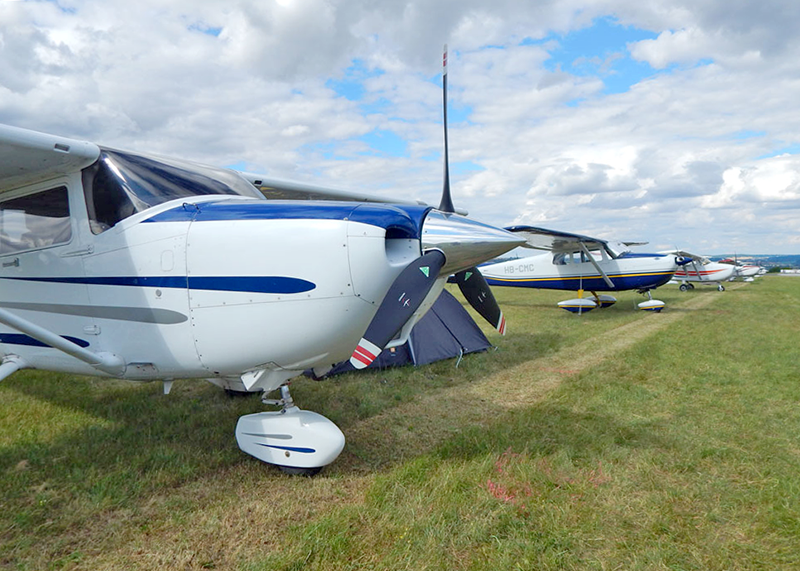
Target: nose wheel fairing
[(300, 440), (652, 305)]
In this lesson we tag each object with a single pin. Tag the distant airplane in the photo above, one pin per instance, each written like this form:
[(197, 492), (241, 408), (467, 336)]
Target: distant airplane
[(747, 272), (121, 265), (701, 270), (582, 263)]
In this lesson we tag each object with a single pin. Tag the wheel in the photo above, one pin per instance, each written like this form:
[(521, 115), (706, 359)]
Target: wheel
[(684, 287), (307, 472), (721, 287), (691, 286)]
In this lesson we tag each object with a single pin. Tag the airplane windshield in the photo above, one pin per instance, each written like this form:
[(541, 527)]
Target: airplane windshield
[(121, 184)]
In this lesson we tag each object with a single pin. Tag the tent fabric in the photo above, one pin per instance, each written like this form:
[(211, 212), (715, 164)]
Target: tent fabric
[(446, 331)]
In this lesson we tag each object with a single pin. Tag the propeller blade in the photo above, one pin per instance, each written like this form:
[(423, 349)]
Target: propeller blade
[(477, 292), (446, 205), (401, 301)]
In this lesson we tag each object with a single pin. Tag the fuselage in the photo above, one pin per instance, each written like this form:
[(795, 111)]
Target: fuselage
[(573, 272), (211, 281)]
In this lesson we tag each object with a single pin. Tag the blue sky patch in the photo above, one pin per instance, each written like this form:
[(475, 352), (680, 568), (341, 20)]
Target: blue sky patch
[(457, 113), (351, 86), (64, 9), (792, 149), (206, 29), (464, 167), (385, 143), (241, 166), (747, 134), (600, 50)]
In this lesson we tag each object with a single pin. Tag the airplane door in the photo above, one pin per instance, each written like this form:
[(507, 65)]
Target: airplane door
[(41, 272)]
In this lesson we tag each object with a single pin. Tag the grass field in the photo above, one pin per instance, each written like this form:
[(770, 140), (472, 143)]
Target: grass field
[(614, 440)]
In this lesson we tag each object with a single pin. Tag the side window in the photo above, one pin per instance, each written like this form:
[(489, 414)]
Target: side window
[(564, 259), (34, 221)]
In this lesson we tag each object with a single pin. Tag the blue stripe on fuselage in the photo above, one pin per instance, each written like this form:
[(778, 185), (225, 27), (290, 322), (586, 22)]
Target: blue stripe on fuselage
[(400, 221), (591, 283), (22, 339), (255, 284)]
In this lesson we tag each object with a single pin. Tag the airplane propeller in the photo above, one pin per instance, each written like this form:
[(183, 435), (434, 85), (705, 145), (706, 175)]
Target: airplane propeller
[(446, 204), (477, 292), (401, 301), (471, 282), (409, 289)]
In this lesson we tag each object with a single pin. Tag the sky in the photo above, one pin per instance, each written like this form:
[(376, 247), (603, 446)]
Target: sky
[(666, 121)]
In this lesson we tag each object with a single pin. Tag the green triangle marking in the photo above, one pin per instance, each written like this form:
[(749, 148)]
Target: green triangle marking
[(426, 270), (467, 276)]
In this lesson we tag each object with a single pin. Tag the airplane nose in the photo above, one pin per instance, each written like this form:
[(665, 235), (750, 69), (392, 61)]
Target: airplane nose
[(464, 242)]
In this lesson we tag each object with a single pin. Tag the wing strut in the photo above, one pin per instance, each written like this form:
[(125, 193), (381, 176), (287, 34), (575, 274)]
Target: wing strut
[(585, 250), (105, 362), (11, 364)]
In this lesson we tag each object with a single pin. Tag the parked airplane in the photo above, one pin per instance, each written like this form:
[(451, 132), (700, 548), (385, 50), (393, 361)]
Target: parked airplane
[(702, 270), (122, 265), (581, 263), (747, 272)]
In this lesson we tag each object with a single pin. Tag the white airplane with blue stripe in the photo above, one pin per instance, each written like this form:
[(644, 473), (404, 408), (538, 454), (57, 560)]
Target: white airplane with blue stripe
[(117, 264), (580, 263)]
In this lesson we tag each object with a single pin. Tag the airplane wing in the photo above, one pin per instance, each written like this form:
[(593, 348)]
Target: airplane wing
[(556, 241), (27, 157), (279, 189)]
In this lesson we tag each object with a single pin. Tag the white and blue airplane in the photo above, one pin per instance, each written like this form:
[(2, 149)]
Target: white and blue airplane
[(581, 263), (118, 264)]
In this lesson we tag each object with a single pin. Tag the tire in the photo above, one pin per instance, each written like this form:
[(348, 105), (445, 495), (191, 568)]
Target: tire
[(306, 472)]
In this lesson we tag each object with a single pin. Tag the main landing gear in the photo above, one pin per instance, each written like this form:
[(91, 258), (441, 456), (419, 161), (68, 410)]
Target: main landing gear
[(299, 442), (582, 305), (685, 286)]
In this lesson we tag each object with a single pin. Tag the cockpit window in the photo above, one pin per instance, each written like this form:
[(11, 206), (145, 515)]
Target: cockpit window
[(34, 221), (121, 184), (563, 259)]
